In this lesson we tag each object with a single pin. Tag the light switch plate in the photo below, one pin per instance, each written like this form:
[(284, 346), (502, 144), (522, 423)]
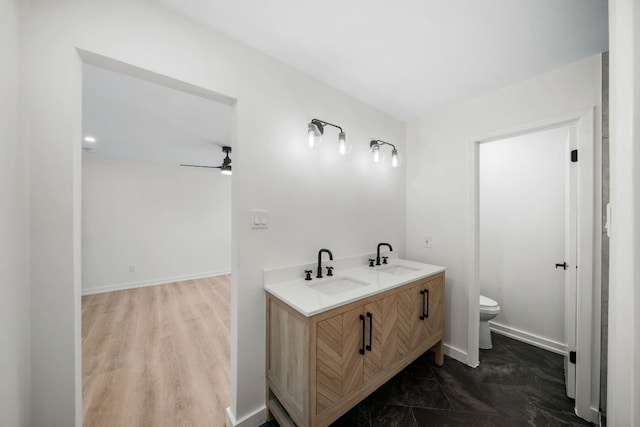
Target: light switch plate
[(427, 241), (259, 218)]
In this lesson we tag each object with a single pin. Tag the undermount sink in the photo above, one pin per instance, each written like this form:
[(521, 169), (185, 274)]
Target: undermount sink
[(337, 285), (397, 270)]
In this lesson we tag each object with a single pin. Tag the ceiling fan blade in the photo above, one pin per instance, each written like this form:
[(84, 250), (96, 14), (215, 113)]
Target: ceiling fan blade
[(202, 166)]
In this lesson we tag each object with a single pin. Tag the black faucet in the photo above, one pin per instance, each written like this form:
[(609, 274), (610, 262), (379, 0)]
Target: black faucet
[(319, 276), (378, 252)]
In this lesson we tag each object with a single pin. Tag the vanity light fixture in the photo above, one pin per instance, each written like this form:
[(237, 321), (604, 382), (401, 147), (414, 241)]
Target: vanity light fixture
[(316, 129), (375, 145)]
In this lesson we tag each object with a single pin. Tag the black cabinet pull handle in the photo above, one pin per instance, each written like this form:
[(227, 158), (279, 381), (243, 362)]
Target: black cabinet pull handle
[(564, 265), (422, 315), (370, 316), (361, 350), (426, 292)]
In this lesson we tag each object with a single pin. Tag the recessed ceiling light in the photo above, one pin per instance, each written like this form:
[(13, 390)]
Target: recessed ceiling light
[(89, 139)]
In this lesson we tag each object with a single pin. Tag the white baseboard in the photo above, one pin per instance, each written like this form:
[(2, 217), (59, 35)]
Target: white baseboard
[(594, 416), (255, 419), (529, 338), (153, 282), (455, 353)]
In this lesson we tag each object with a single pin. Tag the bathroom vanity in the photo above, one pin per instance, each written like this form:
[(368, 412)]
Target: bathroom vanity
[(333, 341)]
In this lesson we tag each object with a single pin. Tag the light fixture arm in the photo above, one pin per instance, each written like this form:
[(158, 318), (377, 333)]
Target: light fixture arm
[(380, 142), (322, 123)]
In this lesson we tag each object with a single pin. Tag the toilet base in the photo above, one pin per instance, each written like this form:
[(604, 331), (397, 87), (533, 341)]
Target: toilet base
[(485, 336)]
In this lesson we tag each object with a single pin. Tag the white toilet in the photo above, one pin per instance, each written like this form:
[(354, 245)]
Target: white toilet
[(488, 310)]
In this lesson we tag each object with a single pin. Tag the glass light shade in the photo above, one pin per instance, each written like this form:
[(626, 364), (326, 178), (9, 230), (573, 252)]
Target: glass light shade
[(394, 158), (312, 136), (315, 131), (225, 170), (375, 151), (342, 143)]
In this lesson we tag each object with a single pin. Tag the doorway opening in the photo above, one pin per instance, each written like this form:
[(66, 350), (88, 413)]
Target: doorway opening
[(580, 127), (527, 240), (156, 250)]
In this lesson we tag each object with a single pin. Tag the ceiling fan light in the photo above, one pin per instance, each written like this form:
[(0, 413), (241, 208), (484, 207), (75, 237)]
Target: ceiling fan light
[(225, 168)]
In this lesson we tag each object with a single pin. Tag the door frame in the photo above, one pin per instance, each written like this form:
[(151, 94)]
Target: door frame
[(92, 58), (584, 122)]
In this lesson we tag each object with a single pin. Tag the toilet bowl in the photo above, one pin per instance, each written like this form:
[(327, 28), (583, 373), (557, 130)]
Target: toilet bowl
[(488, 310)]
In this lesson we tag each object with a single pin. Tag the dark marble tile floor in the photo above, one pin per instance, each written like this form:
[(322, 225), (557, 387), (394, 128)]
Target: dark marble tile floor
[(515, 385)]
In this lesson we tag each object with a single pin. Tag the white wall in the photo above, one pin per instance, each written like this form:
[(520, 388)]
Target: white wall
[(438, 171), (171, 222), (522, 232), (15, 393), (315, 198)]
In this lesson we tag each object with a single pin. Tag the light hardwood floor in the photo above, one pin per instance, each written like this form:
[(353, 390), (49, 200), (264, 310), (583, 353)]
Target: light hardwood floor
[(157, 356)]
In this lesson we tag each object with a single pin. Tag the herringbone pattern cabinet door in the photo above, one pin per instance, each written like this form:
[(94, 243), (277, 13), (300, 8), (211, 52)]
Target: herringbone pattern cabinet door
[(381, 319), (353, 365), (339, 366), (407, 321), (329, 362), (418, 333), (435, 321)]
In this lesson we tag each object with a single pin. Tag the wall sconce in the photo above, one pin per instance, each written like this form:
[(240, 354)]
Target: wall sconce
[(375, 145), (316, 129)]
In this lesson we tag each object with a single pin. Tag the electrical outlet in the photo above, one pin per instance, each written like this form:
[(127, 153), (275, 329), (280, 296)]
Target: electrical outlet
[(427, 241), (132, 268)]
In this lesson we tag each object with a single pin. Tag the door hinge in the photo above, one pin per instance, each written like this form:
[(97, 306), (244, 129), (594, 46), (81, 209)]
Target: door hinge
[(572, 357), (574, 155)]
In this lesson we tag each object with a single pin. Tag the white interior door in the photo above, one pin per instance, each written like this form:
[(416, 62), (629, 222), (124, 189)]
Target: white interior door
[(571, 257), (578, 250)]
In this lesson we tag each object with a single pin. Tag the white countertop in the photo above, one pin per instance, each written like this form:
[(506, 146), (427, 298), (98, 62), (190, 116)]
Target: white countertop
[(302, 295)]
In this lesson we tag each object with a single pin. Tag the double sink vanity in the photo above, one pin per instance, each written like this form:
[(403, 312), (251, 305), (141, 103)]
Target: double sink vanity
[(332, 341)]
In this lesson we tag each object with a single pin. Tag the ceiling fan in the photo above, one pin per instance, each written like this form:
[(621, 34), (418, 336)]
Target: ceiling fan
[(225, 167)]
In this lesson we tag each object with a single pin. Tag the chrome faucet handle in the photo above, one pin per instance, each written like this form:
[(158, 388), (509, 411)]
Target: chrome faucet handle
[(308, 273), (384, 259), (329, 271), (371, 261)]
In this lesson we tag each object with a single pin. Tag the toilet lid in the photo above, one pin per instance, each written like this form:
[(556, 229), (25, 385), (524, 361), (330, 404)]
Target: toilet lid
[(487, 302)]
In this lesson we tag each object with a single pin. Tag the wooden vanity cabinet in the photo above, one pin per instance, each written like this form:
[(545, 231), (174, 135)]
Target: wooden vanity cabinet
[(422, 315), (319, 367)]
